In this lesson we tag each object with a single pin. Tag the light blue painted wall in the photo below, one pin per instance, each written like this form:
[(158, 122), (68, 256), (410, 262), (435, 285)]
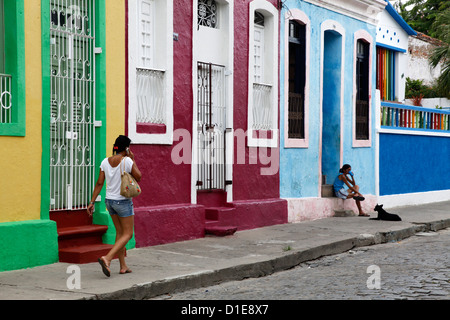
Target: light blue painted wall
[(299, 175)]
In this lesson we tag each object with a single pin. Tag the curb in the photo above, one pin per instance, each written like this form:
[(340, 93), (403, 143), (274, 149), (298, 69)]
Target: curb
[(287, 260)]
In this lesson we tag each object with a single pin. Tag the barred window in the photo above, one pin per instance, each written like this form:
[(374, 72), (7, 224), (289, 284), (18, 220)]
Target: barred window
[(150, 71), (297, 60), (207, 13), (12, 69), (362, 87)]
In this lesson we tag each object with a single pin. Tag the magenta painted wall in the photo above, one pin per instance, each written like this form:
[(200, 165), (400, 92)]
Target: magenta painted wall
[(164, 212), (168, 183), (248, 183), (164, 182)]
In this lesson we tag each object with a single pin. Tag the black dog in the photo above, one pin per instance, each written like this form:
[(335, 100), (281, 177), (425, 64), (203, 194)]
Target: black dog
[(383, 215)]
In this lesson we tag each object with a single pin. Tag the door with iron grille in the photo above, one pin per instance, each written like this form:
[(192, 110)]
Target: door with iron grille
[(72, 61), (211, 116)]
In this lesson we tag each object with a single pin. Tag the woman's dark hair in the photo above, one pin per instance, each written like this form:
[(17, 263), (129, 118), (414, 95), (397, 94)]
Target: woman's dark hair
[(344, 167), (121, 144)]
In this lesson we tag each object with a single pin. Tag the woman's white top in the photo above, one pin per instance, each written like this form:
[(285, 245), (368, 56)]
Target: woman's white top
[(113, 177)]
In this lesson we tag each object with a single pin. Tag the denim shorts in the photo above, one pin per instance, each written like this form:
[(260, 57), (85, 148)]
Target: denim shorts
[(123, 208), (342, 194)]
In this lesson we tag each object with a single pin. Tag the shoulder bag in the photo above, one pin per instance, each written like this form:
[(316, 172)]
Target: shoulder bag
[(129, 188)]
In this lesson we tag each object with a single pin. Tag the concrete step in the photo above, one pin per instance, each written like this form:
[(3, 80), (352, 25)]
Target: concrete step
[(344, 213), (327, 191)]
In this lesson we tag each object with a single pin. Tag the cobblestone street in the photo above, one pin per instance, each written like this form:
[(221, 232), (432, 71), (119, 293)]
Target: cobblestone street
[(415, 268)]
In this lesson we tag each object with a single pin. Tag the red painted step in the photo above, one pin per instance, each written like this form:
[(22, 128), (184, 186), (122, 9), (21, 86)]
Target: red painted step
[(80, 235), (220, 221), (220, 231), (79, 240), (84, 254), (82, 244)]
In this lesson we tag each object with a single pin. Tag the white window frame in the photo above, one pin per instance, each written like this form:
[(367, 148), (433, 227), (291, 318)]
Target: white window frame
[(299, 16), (162, 61), (362, 35), (270, 13)]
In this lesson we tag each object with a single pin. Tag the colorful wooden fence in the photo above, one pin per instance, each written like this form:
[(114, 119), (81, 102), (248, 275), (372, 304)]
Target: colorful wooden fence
[(401, 116), (386, 73)]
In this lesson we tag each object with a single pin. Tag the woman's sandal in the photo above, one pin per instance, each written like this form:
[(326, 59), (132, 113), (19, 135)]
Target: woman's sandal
[(126, 271), (105, 268)]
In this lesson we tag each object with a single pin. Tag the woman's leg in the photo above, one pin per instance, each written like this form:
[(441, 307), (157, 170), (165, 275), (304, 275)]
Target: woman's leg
[(358, 203), (124, 233), (119, 232)]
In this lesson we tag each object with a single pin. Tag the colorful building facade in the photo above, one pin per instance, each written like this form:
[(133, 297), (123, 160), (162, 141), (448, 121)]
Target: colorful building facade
[(208, 134), (175, 77), (240, 115), (327, 76), (392, 57), (409, 138), (54, 115)]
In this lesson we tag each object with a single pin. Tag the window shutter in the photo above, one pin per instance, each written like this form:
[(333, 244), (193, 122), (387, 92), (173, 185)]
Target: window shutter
[(146, 33), (258, 44)]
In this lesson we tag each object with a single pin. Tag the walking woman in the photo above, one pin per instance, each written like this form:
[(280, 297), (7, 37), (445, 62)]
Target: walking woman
[(346, 177), (119, 207)]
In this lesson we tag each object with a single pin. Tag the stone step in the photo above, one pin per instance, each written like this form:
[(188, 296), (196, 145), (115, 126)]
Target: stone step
[(327, 191)]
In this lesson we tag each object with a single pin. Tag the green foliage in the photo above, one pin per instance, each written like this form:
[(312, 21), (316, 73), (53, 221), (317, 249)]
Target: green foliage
[(421, 14), (442, 54), (416, 88), (431, 17)]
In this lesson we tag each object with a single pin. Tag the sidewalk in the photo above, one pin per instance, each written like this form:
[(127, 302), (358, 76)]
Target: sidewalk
[(177, 266)]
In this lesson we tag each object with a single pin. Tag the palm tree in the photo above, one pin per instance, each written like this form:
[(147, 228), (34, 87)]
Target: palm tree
[(442, 53)]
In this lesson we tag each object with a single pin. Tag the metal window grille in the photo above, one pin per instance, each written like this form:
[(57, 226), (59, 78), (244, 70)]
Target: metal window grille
[(362, 120), (262, 107), (150, 96), (362, 95), (207, 13), (72, 42), (259, 18), (296, 116), (211, 115), (297, 79), (5, 98)]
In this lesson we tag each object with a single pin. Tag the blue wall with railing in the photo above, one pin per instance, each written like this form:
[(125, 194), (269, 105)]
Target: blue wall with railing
[(414, 159)]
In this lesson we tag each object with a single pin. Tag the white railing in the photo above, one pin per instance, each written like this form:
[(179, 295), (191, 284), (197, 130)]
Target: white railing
[(262, 107), (5, 98), (150, 96)]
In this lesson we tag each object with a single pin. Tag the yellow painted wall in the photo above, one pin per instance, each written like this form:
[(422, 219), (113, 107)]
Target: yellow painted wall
[(20, 163), (115, 72)]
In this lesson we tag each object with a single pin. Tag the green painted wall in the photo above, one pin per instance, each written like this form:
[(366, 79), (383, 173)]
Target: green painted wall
[(27, 244)]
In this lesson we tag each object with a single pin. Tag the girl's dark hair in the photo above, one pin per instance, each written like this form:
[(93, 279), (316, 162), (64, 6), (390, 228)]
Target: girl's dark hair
[(121, 144), (344, 167)]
